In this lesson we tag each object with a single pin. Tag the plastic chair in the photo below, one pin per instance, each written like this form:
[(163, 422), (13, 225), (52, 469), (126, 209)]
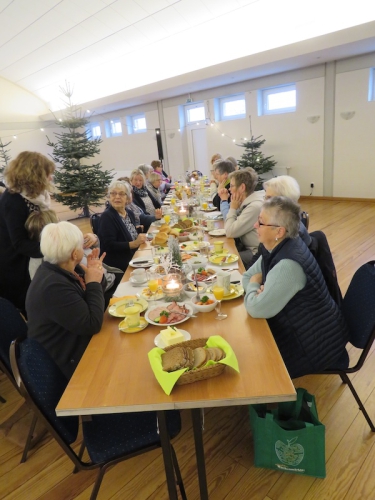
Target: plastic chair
[(12, 325), (359, 311), (109, 439)]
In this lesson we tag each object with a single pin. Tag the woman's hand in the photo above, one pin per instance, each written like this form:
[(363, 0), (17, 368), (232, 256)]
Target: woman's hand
[(94, 269), (236, 200), (223, 193), (142, 238), (257, 278), (89, 240), (158, 213)]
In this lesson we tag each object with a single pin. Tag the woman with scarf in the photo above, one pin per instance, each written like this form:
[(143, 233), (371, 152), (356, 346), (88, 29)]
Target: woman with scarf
[(142, 196), (28, 178)]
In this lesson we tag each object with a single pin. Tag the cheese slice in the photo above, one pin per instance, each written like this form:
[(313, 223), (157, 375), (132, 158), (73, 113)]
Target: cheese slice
[(171, 336)]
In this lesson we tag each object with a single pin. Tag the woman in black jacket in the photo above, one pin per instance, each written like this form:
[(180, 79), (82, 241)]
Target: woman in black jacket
[(142, 196), (118, 235)]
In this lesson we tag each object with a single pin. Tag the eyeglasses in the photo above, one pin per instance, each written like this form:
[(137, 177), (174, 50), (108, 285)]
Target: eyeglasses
[(115, 193), (268, 225)]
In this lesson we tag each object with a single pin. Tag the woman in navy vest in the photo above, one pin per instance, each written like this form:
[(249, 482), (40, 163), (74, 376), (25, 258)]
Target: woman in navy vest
[(286, 287), (117, 232)]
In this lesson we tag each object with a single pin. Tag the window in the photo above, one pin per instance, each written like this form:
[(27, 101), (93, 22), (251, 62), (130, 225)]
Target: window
[(93, 130), (136, 124), (195, 113), (371, 87), (113, 127), (230, 108), (277, 100)]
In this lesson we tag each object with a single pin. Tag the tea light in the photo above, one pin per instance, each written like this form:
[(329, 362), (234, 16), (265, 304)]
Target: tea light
[(172, 287)]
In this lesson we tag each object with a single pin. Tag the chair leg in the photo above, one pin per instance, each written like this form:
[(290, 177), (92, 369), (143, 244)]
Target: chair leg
[(2, 400), (347, 380), (80, 453), (98, 482), (179, 481), (28, 440)]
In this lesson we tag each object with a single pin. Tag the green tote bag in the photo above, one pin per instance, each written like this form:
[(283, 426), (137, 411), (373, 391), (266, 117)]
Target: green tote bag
[(290, 438)]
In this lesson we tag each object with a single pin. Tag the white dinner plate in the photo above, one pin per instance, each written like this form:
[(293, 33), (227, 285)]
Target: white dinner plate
[(217, 232), (117, 309), (165, 305), (193, 246), (210, 278), (141, 262), (159, 342)]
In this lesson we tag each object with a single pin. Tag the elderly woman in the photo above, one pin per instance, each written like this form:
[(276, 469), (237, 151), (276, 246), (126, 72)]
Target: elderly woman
[(142, 196), (65, 301), (165, 185), (146, 169), (29, 180), (222, 170), (244, 210), (286, 287), (213, 182), (119, 237), (153, 185)]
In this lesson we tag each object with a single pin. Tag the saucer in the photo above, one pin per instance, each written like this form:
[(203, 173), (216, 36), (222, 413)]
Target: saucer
[(126, 329)]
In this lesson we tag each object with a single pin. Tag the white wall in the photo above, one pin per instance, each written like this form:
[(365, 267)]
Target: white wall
[(297, 145)]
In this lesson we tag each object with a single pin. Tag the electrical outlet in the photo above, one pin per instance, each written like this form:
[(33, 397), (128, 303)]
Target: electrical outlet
[(312, 185)]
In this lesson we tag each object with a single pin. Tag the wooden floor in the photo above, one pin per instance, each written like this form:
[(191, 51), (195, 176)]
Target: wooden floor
[(350, 446)]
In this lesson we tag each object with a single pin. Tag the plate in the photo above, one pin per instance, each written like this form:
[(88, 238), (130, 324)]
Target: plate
[(165, 305), (192, 246), (238, 291), (210, 278), (126, 329), (159, 342), (141, 262), (116, 309), (138, 283), (217, 232), (218, 259), (146, 294), (209, 209)]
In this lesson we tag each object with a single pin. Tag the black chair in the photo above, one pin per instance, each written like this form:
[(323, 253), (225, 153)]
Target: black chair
[(94, 222), (12, 325), (109, 439), (359, 311), (305, 219)]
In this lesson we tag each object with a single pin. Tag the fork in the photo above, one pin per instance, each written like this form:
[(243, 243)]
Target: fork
[(197, 297)]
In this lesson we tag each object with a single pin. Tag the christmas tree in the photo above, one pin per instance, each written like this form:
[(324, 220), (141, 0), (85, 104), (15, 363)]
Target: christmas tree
[(4, 157), (254, 158), (80, 185)]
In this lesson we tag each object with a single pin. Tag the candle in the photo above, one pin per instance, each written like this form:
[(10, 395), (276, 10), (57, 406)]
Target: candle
[(173, 285)]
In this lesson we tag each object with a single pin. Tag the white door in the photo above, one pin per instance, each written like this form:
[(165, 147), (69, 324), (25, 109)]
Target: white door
[(199, 151)]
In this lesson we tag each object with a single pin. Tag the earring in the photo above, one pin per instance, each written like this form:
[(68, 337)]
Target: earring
[(276, 239)]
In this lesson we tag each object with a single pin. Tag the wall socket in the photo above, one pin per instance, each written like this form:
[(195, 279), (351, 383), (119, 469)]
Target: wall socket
[(312, 185)]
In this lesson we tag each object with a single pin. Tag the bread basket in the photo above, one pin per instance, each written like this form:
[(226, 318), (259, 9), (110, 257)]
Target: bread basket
[(199, 373)]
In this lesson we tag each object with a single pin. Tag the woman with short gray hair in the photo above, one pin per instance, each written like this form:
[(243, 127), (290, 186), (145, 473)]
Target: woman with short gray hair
[(65, 301), (286, 287), (141, 195)]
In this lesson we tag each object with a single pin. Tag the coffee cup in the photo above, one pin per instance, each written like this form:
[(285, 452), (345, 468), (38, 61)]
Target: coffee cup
[(138, 275), (210, 225), (223, 280), (132, 316), (218, 246)]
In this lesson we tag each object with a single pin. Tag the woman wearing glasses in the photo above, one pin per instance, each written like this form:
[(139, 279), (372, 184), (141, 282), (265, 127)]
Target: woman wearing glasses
[(286, 287), (117, 232)]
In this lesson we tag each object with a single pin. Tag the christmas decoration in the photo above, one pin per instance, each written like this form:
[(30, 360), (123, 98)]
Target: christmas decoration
[(254, 158), (80, 185), (4, 157)]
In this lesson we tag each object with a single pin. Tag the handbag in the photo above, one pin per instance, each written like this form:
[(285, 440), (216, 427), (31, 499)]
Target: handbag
[(290, 438)]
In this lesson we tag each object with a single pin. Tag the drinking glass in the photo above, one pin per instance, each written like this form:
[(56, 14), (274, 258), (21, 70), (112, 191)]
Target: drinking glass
[(167, 218), (153, 283), (218, 291), (204, 205)]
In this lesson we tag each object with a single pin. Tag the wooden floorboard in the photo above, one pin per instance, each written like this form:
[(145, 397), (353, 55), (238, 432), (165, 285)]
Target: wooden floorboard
[(350, 450)]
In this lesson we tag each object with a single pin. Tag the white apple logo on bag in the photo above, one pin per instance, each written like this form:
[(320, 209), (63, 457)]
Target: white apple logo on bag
[(291, 453)]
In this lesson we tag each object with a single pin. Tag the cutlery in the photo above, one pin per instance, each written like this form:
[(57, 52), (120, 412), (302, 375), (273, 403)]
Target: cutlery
[(142, 262), (197, 297), (188, 315), (235, 282)]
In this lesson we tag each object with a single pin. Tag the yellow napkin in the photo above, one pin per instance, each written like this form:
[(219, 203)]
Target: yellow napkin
[(167, 380), (113, 300)]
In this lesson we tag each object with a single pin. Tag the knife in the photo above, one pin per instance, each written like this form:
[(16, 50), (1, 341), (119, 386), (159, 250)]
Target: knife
[(142, 262)]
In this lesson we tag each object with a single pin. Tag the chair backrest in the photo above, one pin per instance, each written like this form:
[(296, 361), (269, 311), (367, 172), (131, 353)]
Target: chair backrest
[(319, 247), (12, 325), (305, 219), (42, 384), (94, 222), (359, 306)]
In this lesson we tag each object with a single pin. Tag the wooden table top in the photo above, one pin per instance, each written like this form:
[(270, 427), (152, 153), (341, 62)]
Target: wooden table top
[(114, 374)]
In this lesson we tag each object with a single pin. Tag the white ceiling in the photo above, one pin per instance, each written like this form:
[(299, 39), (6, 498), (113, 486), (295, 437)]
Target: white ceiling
[(117, 53)]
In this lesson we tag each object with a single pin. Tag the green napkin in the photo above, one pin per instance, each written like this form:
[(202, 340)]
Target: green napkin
[(167, 380)]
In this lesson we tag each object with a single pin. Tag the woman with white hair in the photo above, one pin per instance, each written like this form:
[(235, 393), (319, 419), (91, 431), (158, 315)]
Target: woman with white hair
[(282, 185), (153, 185), (118, 234), (65, 301), (286, 286), (141, 195)]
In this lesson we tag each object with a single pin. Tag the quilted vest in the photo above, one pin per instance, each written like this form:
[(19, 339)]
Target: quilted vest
[(310, 331)]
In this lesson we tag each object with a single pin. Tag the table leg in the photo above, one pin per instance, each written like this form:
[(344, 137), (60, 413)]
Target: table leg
[(167, 455), (199, 452)]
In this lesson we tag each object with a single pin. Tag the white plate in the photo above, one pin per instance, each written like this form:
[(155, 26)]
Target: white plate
[(159, 342), (209, 209), (217, 232), (147, 262), (116, 309), (192, 246), (165, 305), (210, 278), (137, 283)]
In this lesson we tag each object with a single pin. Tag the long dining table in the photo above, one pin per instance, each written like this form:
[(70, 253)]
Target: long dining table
[(114, 374)]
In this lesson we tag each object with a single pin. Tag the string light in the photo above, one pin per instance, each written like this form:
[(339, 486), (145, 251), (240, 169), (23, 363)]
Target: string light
[(42, 129)]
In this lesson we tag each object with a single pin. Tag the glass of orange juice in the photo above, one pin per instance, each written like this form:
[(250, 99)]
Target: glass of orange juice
[(218, 291), (153, 284), (167, 218), (173, 201), (204, 205)]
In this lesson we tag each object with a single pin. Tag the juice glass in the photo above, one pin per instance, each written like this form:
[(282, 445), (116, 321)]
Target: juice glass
[(167, 218), (218, 291), (205, 205), (153, 283)]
